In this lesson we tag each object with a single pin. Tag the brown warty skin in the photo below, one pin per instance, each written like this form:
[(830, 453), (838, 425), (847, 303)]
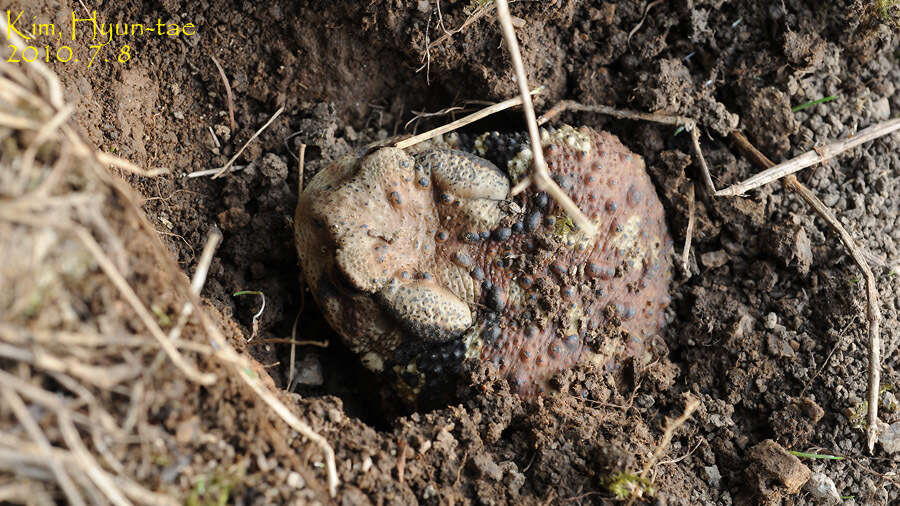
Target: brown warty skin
[(424, 265)]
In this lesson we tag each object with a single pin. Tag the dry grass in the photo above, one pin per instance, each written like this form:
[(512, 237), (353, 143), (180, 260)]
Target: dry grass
[(104, 344)]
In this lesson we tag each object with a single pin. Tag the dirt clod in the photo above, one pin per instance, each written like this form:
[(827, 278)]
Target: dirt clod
[(773, 472)]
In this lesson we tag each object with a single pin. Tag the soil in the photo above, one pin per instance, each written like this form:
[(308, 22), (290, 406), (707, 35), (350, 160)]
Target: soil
[(768, 332)]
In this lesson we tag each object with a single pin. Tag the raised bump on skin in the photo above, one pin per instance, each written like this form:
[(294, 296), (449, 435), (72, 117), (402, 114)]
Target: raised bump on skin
[(426, 310), (464, 175)]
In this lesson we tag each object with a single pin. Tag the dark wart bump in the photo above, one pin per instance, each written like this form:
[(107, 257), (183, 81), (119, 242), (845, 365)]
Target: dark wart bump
[(496, 299), (634, 196), (463, 259), (478, 274), (502, 234), (555, 351), (532, 221), (540, 200), (491, 333), (442, 236)]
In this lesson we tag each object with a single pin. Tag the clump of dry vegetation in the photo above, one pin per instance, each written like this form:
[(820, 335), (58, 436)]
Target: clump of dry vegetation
[(107, 355)]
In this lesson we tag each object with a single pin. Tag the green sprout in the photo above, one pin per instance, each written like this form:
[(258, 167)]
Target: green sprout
[(214, 492), (161, 317), (815, 455), (564, 226), (807, 105), (625, 485)]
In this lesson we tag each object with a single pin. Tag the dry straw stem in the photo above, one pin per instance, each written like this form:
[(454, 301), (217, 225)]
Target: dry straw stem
[(242, 367), (812, 157), (223, 169), (873, 314), (197, 282), (689, 409), (685, 255), (461, 122), (475, 16), (671, 427), (228, 93), (540, 177), (30, 454), (687, 123)]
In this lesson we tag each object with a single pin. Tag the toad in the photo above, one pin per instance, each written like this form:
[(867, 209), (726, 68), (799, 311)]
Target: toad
[(424, 264)]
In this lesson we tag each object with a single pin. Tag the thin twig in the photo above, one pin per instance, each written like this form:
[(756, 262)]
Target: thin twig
[(816, 155), (121, 163), (301, 161), (418, 115), (682, 457), (873, 313), (478, 14), (293, 358), (643, 18), (225, 167), (540, 175), (197, 282), (461, 122), (43, 134), (227, 93), (689, 233), (689, 409), (296, 342), (834, 348), (210, 172), (687, 123)]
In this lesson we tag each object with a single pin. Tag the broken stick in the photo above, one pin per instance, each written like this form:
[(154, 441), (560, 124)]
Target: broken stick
[(873, 314)]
